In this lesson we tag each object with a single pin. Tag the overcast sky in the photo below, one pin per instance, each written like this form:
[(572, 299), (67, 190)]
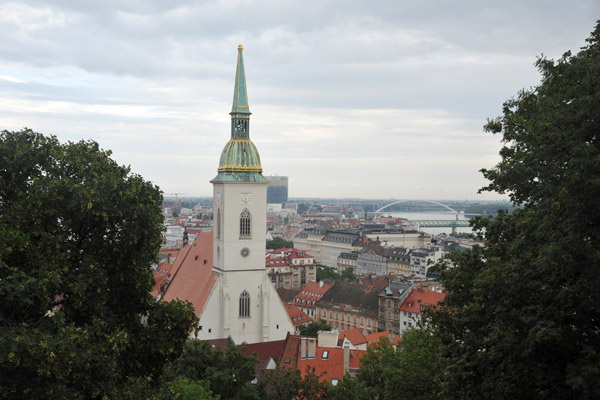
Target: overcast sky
[(369, 99)]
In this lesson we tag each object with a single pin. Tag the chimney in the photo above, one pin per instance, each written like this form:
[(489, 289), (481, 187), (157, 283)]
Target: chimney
[(320, 283), (312, 348), (303, 347), (346, 358)]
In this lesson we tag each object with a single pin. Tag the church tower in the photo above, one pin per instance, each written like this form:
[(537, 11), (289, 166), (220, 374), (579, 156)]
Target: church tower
[(249, 308)]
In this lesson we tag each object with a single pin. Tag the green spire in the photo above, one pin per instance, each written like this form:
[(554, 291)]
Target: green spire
[(240, 161), (240, 96)]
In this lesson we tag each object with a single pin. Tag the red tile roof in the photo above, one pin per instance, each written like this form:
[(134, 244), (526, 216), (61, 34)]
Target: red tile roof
[(376, 337), (192, 277), (291, 351), (311, 294), (276, 261), (297, 315), (355, 336), (264, 351), (419, 299), (292, 253), (331, 367)]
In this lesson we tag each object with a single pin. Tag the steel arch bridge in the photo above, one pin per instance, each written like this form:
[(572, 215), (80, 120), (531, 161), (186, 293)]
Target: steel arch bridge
[(420, 206)]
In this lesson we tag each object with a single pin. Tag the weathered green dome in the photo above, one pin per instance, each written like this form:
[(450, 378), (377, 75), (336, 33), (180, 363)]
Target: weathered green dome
[(240, 162)]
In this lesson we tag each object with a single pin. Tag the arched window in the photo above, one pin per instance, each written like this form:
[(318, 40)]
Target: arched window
[(244, 304), (245, 223), (218, 223)]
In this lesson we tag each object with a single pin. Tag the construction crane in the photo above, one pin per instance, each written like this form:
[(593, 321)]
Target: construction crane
[(177, 196)]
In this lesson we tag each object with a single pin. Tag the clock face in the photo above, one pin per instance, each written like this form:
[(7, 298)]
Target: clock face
[(246, 198)]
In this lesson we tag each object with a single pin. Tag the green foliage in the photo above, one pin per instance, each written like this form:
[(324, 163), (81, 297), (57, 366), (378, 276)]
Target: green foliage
[(191, 390), (412, 371), (324, 272), (228, 372), (463, 235), (285, 383), (489, 209), (329, 273), (279, 243), (78, 234), (313, 328), (521, 317), (348, 273)]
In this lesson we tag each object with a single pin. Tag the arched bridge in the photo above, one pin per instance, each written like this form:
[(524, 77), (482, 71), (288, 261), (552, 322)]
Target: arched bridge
[(419, 206), (426, 207)]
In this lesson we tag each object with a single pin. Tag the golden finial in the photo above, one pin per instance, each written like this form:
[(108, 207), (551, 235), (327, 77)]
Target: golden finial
[(240, 47)]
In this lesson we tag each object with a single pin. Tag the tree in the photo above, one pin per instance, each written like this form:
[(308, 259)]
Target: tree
[(413, 371), (284, 383), (313, 328), (279, 243), (78, 234), (522, 316), (324, 272), (228, 373), (348, 273)]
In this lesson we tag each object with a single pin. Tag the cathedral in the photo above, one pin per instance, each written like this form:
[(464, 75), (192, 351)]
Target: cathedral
[(241, 302)]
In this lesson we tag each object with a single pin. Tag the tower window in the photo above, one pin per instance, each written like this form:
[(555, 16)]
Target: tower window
[(218, 223), (245, 223), (244, 304)]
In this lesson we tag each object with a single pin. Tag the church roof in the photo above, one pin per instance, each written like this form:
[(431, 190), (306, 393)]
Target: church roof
[(240, 161), (193, 279)]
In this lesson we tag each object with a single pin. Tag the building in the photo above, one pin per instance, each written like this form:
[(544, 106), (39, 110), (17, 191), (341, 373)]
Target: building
[(237, 297), (411, 240), (330, 360), (347, 260), (291, 268), (372, 260), (349, 305), (307, 299), (398, 262), (277, 190), (309, 240), (421, 260), (335, 242), (390, 300), (298, 317), (279, 271), (415, 305)]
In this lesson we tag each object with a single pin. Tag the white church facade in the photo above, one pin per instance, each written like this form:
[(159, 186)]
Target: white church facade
[(242, 303)]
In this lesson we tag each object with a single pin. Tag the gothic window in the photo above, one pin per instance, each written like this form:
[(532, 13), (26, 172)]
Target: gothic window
[(218, 223), (244, 304), (245, 221)]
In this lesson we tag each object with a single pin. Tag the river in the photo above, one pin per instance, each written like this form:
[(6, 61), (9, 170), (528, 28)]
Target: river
[(431, 216)]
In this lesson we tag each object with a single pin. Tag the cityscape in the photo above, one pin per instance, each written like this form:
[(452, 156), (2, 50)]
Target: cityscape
[(347, 235)]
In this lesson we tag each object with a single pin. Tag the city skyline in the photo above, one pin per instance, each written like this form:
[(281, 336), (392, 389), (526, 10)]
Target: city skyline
[(350, 100)]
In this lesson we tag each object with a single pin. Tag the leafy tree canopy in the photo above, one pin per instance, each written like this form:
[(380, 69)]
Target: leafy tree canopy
[(284, 383), (227, 373), (279, 243), (78, 234), (412, 371), (324, 272), (313, 328), (522, 317)]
